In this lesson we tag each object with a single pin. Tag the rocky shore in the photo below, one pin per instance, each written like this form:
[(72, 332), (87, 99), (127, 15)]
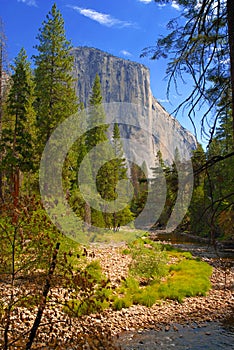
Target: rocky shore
[(57, 328), (217, 305)]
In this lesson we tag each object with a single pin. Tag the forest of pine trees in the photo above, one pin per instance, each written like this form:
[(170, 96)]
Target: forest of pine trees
[(35, 102)]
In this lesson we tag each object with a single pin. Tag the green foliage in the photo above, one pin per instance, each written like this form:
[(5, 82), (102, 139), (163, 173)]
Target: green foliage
[(18, 132), (92, 293), (129, 289), (131, 285), (146, 296), (96, 121), (120, 303), (219, 183), (207, 58), (164, 186), (28, 235), (140, 186), (126, 251), (56, 98), (187, 278), (149, 261), (94, 271), (189, 49), (70, 254), (104, 235), (78, 308)]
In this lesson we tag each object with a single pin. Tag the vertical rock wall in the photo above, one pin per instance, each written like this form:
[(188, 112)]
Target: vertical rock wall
[(124, 81)]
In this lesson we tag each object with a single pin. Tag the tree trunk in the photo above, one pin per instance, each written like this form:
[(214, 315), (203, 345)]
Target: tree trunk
[(230, 20), (44, 299), (87, 215)]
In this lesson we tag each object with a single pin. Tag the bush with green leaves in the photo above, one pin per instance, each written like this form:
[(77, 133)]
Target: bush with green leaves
[(148, 260), (92, 292)]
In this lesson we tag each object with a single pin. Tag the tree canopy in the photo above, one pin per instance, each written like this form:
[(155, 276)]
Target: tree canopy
[(200, 43)]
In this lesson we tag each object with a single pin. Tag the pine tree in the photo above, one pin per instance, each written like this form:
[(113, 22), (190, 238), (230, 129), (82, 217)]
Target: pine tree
[(119, 172), (219, 182), (56, 98), (110, 172), (79, 204), (18, 132), (198, 221), (140, 188), (97, 135)]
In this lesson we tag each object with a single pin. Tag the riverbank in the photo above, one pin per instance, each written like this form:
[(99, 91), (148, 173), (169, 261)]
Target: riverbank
[(217, 305)]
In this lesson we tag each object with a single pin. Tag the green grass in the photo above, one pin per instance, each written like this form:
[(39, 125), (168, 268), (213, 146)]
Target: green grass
[(187, 278), (108, 236), (120, 303)]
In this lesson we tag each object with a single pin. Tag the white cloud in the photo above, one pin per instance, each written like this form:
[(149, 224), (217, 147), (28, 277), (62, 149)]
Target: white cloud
[(146, 1), (102, 18), (161, 5), (175, 5), (125, 53), (28, 2), (161, 100)]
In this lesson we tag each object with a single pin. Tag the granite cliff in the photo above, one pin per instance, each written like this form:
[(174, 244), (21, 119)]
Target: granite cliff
[(126, 82)]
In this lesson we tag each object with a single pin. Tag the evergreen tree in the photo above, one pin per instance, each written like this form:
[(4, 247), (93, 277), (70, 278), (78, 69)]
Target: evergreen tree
[(198, 217), (56, 98), (97, 136), (219, 184), (110, 172), (162, 178), (119, 172), (79, 204), (18, 133), (140, 188)]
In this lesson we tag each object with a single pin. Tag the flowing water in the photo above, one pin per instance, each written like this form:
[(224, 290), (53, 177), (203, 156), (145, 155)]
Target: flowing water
[(209, 336)]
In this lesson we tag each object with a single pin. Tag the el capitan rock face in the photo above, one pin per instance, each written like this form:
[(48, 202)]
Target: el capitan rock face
[(128, 82)]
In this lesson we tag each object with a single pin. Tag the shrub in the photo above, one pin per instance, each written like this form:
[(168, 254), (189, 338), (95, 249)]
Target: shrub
[(149, 261), (94, 271)]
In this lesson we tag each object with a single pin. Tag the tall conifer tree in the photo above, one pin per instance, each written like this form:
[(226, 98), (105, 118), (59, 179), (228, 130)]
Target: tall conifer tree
[(119, 172), (97, 134), (56, 97), (17, 135)]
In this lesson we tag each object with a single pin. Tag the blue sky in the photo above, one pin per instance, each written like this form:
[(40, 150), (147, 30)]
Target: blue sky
[(123, 28)]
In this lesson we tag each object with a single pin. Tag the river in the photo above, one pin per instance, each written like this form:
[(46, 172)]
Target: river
[(209, 336)]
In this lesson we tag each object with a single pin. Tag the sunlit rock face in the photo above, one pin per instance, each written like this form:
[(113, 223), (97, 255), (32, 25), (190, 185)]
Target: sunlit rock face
[(144, 123)]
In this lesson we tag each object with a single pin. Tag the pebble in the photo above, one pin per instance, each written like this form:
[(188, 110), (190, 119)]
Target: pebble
[(218, 304)]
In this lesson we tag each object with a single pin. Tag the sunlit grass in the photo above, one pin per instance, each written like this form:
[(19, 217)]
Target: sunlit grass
[(187, 277), (109, 236)]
